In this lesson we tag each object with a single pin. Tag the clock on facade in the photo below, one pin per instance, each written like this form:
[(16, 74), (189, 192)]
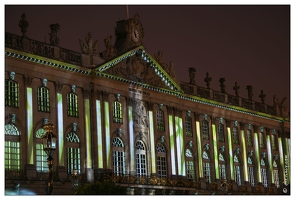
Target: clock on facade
[(135, 35)]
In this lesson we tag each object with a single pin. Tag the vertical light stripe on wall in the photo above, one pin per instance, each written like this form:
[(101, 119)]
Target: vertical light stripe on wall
[(60, 130), (99, 135), (257, 155), (153, 155), (281, 156), (107, 136), (288, 146), (215, 151), (244, 156), (131, 139), (269, 154), (230, 151), (88, 134), (172, 145), (180, 146), (30, 126), (199, 145)]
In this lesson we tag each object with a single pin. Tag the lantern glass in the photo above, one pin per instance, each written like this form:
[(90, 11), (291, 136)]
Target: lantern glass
[(49, 143)]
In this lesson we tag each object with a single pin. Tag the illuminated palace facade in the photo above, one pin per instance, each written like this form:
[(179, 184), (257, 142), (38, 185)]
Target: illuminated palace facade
[(122, 115)]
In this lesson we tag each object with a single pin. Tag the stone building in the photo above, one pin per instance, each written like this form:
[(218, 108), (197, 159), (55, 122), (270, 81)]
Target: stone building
[(122, 115)]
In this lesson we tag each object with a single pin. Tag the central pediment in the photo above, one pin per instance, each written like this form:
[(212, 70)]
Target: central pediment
[(139, 66)]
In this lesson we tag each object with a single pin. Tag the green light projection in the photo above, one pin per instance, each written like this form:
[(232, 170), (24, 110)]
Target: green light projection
[(230, 151), (99, 135), (152, 142), (199, 149), (88, 134), (269, 154), (60, 129), (287, 156), (131, 139), (180, 146), (215, 147), (244, 156), (30, 125), (257, 153), (108, 139), (172, 145)]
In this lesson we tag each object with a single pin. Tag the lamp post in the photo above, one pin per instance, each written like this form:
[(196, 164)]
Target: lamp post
[(49, 146)]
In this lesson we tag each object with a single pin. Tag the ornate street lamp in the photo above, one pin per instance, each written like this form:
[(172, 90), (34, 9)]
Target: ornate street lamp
[(49, 146)]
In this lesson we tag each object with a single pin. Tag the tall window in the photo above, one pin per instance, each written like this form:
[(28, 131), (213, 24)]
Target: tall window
[(41, 156), (222, 166), (73, 153), (12, 148), (160, 120), (188, 126), (118, 156), (274, 142), (11, 93), (140, 159), (205, 130), (249, 138), (117, 112), (72, 105), (263, 170), (276, 171), (189, 164), (161, 161), (43, 99), (251, 170), (221, 132), (235, 135), (206, 164), (261, 140), (237, 170)]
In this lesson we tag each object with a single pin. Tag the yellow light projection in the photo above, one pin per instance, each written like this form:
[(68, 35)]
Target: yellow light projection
[(131, 142), (215, 151), (244, 155), (99, 135), (30, 126), (88, 134), (107, 131), (268, 146), (152, 142), (257, 153), (172, 146), (180, 146), (230, 151), (60, 129), (199, 148)]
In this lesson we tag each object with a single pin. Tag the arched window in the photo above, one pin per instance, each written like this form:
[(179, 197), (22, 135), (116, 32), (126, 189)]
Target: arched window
[(73, 153), (118, 156), (72, 99), (117, 112), (11, 93), (249, 138), (251, 168), (161, 161), (235, 135), (189, 163), (206, 164), (160, 120), (43, 99), (205, 130), (12, 148), (188, 126), (263, 169), (221, 132), (237, 168), (140, 159), (276, 171), (41, 156), (222, 164)]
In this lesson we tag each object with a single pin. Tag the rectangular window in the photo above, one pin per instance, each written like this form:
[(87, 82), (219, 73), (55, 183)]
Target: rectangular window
[(237, 175), (41, 159), (251, 176), (276, 178), (118, 162), (160, 121), (12, 155), (188, 126), (190, 171), (72, 105), (222, 171), (73, 160), (207, 175), (140, 165), (161, 165), (43, 100), (117, 112), (264, 177), (11, 94)]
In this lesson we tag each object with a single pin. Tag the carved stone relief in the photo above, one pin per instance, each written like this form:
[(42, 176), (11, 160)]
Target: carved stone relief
[(140, 116)]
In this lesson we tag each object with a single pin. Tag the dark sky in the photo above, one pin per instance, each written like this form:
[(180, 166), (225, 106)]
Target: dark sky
[(243, 43)]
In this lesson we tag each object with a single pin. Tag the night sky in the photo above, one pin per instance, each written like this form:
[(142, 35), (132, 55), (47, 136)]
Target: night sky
[(243, 43)]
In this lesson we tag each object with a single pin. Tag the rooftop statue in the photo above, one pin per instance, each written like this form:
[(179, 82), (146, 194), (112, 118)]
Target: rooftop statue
[(110, 51), (23, 24), (250, 93), (236, 89), (54, 40), (89, 47), (192, 72), (222, 85), (207, 80)]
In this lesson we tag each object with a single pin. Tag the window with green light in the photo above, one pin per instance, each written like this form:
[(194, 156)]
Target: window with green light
[(43, 99), (118, 156), (117, 112), (11, 93), (235, 135), (72, 105), (205, 130), (73, 152), (188, 126), (221, 132), (12, 148), (249, 138)]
